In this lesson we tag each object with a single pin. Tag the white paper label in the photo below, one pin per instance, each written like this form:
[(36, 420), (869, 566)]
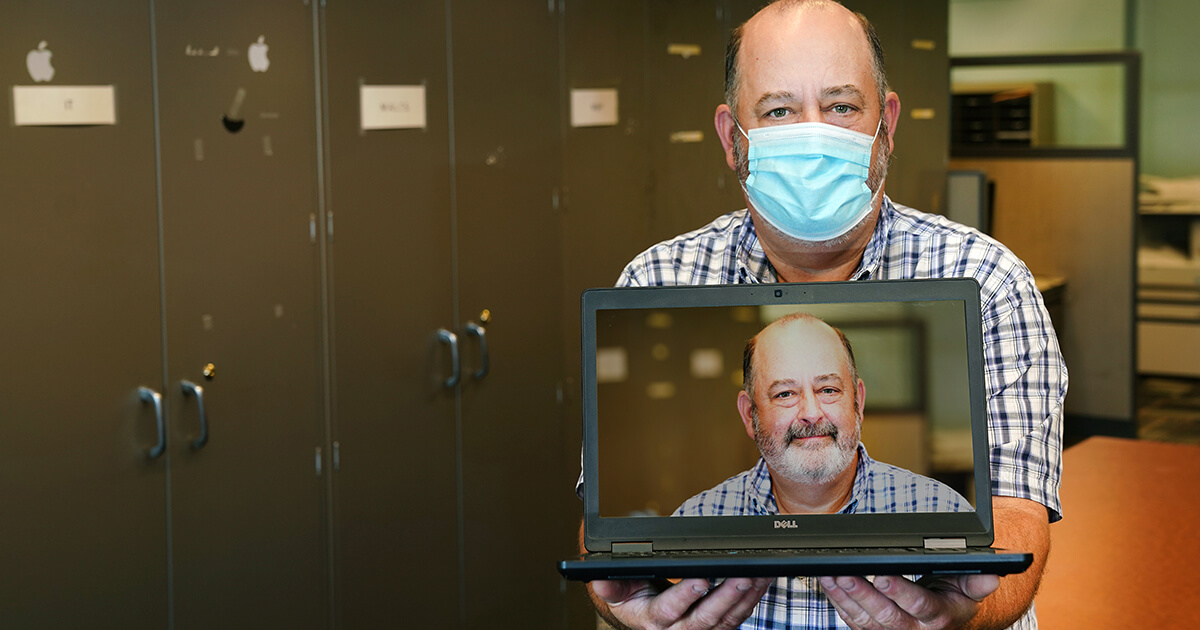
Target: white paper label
[(37, 105), (392, 106), (594, 108)]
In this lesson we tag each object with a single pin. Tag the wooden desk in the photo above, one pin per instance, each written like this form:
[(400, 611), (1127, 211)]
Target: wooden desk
[(1127, 551)]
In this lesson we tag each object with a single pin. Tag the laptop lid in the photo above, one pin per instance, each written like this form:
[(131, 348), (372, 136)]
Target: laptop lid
[(662, 370)]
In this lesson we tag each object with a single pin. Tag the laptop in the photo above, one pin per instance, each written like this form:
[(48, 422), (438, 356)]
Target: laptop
[(662, 369)]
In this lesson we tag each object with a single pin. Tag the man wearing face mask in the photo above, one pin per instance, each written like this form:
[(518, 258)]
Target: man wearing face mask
[(808, 126)]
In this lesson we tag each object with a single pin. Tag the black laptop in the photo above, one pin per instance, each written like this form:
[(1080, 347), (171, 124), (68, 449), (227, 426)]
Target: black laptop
[(662, 368)]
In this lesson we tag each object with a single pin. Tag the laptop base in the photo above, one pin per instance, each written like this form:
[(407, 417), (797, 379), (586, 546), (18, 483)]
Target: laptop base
[(792, 562)]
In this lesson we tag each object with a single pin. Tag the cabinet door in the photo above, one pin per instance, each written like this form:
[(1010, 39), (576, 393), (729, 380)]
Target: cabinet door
[(506, 122), (396, 552), (685, 69), (606, 218), (239, 184), (914, 36), (84, 522)]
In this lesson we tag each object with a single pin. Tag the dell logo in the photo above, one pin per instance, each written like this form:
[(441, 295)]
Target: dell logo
[(785, 524)]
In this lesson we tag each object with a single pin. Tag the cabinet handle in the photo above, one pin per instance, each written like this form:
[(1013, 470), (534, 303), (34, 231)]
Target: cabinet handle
[(475, 330), (192, 389), (447, 337), (151, 396)]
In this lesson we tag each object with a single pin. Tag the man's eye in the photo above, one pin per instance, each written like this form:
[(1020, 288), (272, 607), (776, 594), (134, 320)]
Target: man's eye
[(842, 109), (778, 112), (829, 391), (785, 394)]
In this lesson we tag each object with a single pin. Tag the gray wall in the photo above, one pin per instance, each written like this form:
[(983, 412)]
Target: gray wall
[(1165, 33)]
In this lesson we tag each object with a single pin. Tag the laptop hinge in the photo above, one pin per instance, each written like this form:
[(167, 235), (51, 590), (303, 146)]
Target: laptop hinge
[(945, 543), (631, 549)]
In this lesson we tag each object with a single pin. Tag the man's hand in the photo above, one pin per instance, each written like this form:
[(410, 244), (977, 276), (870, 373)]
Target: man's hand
[(957, 601), (688, 605), (894, 603)]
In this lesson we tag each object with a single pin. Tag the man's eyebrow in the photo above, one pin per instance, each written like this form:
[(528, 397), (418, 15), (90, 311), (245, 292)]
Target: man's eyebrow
[(783, 382), (774, 96), (843, 90), (835, 91), (832, 377)]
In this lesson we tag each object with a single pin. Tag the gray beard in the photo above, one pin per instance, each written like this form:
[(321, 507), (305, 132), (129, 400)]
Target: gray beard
[(802, 463)]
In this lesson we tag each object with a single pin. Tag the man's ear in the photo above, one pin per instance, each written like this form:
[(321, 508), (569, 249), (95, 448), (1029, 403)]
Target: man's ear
[(891, 113), (862, 397), (726, 128), (745, 410)]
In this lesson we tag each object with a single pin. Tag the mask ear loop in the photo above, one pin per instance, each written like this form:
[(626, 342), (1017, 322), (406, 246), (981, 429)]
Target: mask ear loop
[(739, 126), (879, 191), (741, 182)]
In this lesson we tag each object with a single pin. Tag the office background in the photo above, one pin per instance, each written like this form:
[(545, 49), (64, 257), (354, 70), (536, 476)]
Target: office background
[(375, 328)]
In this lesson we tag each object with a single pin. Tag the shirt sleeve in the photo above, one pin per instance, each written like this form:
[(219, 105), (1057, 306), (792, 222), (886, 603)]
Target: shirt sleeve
[(1027, 383)]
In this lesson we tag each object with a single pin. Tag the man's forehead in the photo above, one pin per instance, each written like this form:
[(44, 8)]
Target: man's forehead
[(783, 337), (814, 42)]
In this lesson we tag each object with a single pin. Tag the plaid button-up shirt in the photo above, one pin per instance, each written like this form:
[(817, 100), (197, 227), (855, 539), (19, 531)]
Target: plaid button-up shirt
[(1024, 370)]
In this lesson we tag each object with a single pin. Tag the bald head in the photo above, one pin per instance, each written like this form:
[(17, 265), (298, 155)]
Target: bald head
[(784, 18), (772, 332)]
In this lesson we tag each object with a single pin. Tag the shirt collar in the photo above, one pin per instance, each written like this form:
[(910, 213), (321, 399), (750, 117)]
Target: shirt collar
[(753, 267), (862, 485), (762, 501), (869, 266)]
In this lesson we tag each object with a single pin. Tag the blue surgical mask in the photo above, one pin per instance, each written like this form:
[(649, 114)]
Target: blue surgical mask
[(809, 180)]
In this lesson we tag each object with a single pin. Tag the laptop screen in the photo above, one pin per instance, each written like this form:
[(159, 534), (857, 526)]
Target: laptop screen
[(664, 369)]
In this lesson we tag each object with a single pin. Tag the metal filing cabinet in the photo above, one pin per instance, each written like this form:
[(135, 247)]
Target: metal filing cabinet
[(446, 244), (237, 119), (327, 272), (914, 36), (685, 69), (507, 156), (85, 516), (122, 516), (394, 485)]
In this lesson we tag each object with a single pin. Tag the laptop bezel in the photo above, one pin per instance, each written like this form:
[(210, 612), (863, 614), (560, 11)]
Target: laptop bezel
[(760, 532)]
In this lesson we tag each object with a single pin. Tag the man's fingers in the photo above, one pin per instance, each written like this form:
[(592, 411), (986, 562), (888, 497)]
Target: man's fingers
[(961, 587), (729, 604), (672, 604), (913, 599), (688, 604), (861, 603), (978, 587), (617, 591)]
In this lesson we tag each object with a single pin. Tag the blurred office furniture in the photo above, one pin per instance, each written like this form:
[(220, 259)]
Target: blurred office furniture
[(1068, 211), (1123, 553), (969, 198), (1002, 115), (1168, 299)]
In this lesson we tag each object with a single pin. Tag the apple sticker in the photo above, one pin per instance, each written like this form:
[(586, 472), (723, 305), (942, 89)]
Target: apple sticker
[(257, 55), (38, 63)]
